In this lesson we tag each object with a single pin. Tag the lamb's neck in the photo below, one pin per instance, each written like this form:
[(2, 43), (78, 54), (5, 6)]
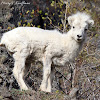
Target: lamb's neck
[(68, 38), (71, 43)]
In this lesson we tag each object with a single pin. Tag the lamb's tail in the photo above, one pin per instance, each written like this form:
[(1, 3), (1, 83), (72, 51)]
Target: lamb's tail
[(1, 44)]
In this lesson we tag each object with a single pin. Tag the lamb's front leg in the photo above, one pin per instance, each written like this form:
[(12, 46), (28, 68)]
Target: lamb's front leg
[(45, 86), (51, 77)]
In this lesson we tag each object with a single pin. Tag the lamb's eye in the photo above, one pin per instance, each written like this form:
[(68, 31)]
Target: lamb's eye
[(73, 27)]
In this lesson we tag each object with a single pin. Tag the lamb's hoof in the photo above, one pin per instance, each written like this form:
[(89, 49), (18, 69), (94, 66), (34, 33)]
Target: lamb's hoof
[(25, 88), (44, 89), (48, 91)]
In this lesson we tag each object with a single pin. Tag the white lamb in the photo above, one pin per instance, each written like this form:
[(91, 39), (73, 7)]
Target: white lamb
[(49, 47)]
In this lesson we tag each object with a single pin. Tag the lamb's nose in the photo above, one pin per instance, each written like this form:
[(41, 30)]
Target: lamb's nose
[(79, 36)]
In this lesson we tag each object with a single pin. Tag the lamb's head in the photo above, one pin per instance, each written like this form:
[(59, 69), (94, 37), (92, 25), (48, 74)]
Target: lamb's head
[(79, 23)]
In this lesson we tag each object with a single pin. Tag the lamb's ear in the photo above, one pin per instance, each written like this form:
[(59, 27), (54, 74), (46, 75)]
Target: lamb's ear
[(90, 22), (70, 20)]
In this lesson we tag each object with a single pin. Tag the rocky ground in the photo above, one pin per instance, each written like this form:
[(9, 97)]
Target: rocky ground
[(87, 63)]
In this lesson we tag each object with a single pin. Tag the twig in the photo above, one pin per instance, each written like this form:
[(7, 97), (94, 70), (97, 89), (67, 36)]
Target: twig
[(64, 21), (87, 91), (62, 75), (53, 24), (65, 85)]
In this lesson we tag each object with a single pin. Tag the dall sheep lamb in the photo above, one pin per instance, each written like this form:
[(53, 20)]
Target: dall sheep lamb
[(50, 47)]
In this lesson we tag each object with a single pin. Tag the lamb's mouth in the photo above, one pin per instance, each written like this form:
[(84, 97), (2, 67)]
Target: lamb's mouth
[(79, 40)]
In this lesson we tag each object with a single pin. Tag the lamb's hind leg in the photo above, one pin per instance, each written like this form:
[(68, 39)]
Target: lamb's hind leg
[(18, 71)]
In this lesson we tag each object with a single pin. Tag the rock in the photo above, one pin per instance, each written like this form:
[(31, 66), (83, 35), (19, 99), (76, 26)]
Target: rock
[(98, 79)]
